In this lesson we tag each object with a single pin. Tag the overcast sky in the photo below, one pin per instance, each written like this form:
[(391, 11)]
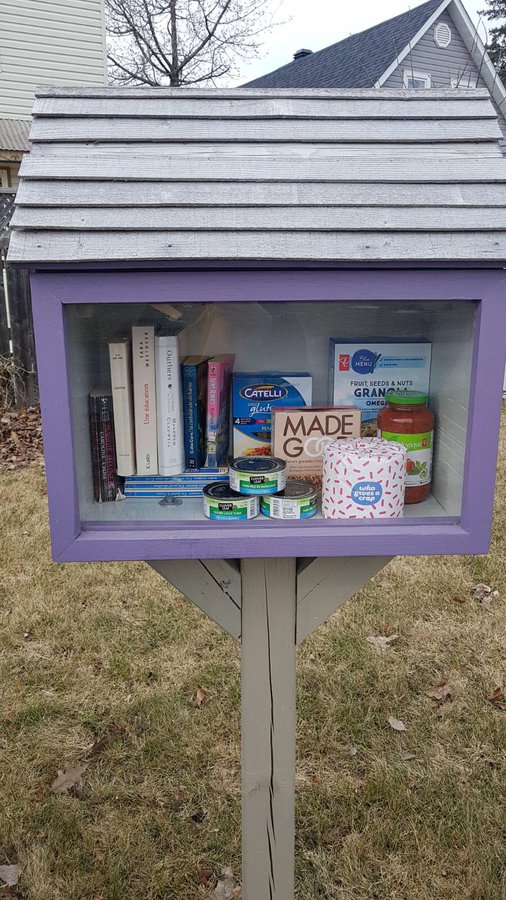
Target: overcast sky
[(317, 23)]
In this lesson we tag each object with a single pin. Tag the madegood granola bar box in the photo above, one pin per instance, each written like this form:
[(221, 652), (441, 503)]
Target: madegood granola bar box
[(300, 435), (253, 396), (361, 373)]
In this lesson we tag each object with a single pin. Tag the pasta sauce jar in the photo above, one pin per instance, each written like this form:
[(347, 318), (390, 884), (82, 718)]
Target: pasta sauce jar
[(407, 420)]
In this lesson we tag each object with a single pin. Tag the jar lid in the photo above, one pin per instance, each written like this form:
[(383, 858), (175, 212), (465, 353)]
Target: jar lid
[(406, 398)]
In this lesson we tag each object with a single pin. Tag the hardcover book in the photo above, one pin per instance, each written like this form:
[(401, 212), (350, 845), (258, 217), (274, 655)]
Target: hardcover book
[(143, 359), (299, 436), (194, 410), (169, 405), (120, 359), (103, 451), (219, 375)]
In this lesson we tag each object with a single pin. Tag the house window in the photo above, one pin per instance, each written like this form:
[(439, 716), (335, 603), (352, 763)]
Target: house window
[(4, 178), (463, 81), (416, 80)]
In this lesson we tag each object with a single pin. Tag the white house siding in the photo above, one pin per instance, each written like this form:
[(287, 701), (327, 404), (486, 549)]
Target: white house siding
[(48, 42)]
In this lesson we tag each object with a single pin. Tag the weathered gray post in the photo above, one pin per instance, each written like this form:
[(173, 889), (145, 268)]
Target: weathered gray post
[(270, 606), (268, 713)]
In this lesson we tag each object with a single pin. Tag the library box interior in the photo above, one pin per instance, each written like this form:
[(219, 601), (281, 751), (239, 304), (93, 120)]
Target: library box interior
[(328, 341)]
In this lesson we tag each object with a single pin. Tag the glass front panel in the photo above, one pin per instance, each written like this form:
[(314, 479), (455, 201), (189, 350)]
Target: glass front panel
[(177, 424)]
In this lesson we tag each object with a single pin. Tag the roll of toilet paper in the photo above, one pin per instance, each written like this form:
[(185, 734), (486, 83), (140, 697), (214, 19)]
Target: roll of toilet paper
[(363, 478)]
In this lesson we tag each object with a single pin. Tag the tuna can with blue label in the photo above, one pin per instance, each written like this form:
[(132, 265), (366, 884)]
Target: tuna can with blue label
[(257, 475), (296, 501), (224, 504)]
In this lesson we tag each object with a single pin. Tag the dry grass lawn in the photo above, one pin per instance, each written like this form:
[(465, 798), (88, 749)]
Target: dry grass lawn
[(99, 665)]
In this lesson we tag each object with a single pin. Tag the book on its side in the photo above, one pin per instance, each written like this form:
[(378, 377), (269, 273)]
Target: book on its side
[(194, 410), (103, 451), (120, 359), (169, 405), (144, 393), (218, 473), (219, 376), (133, 495)]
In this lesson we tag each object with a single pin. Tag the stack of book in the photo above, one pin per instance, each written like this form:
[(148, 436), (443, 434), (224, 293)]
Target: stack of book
[(165, 417), (189, 484)]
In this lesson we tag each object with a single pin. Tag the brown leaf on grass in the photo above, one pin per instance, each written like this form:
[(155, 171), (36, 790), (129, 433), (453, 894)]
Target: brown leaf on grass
[(497, 698), (380, 643), (227, 887), (200, 698), (484, 594), (460, 599), (396, 724), (442, 692), (68, 779), (204, 875), (20, 439), (198, 816), (10, 875), (113, 733)]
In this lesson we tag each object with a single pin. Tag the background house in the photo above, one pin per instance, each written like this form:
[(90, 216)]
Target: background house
[(435, 45), (43, 42)]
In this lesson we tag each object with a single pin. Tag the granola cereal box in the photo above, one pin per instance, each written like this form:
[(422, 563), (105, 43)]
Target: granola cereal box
[(361, 373), (300, 435), (253, 396)]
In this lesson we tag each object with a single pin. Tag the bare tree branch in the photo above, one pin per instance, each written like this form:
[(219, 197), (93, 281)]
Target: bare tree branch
[(180, 42)]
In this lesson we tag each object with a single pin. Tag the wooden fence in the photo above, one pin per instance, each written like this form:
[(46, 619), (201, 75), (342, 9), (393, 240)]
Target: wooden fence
[(17, 346)]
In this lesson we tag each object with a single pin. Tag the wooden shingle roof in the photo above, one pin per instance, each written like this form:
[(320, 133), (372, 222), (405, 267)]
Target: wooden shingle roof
[(137, 174)]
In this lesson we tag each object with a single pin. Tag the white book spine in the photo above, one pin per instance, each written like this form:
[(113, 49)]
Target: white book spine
[(143, 358), (169, 406), (122, 402)]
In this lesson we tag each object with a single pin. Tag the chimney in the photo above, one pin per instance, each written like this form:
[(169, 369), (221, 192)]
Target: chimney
[(300, 53)]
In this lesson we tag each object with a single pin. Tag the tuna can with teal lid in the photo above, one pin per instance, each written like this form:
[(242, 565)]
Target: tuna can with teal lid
[(223, 504), (257, 475), (296, 501)]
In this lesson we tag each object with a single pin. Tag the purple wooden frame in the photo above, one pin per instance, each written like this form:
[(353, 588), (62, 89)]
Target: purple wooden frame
[(73, 541)]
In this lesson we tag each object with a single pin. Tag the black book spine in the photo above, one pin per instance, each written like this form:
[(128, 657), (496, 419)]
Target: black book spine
[(103, 448)]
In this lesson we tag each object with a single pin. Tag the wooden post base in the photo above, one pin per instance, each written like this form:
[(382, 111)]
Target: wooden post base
[(268, 712), (270, 606)]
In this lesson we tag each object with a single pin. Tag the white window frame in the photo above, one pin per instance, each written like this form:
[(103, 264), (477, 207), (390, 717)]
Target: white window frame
[(422, 76), (4, 178), (464, 81)]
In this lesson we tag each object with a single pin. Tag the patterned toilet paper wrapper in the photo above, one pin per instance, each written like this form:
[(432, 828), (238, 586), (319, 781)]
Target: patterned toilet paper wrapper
[(363, 478)]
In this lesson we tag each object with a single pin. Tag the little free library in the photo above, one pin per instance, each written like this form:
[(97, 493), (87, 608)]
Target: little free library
[(270, 330)]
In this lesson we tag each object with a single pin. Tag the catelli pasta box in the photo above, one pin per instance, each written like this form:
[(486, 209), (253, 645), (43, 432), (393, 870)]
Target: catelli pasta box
[(361, 373), (253, 396), (299, 436)]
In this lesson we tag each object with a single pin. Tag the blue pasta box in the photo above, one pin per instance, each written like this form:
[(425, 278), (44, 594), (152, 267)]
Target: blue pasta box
[(253, 396)]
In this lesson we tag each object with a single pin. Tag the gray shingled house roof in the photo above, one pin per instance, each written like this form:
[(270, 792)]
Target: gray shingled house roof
[(14, 135), (357, 61), (133, 174)]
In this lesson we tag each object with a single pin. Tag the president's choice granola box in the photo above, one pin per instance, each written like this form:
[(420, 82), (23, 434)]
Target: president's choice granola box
[(299, 436), (361, 373)]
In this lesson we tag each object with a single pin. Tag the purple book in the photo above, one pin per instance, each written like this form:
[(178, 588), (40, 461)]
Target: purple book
[(219, 377)]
